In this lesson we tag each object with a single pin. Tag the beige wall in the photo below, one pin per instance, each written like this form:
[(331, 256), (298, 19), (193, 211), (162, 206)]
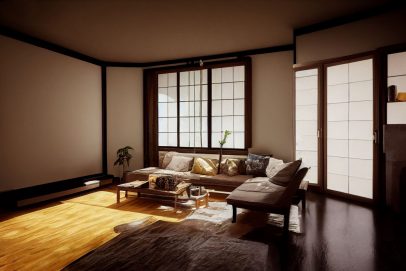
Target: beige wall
[(272, 104), (51, 110), (357, 37), (124, 115), (50, 116)]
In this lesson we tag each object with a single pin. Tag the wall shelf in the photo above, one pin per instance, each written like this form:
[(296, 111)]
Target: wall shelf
[(396, 113)]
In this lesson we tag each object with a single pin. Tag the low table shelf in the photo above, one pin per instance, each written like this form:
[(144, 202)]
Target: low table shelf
[(142, 187)]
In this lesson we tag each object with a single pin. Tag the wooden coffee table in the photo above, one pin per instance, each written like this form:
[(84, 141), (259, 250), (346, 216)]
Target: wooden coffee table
[(142, 187)]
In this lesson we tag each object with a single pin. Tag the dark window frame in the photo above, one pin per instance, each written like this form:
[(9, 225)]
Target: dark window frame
[(151, 108)]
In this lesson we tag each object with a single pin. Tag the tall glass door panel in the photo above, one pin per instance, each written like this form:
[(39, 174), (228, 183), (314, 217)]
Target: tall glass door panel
[(306, 91), (350, 128)]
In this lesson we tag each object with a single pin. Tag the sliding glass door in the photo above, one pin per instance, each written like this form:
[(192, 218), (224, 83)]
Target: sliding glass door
[(334, 125), (350, 107), (307, 121)]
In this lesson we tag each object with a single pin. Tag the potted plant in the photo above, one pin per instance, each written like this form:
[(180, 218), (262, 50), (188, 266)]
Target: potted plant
[(222, 142), (123, 157)]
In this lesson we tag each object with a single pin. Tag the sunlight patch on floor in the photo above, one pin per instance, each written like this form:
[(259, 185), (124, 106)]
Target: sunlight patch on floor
[(55, 234)]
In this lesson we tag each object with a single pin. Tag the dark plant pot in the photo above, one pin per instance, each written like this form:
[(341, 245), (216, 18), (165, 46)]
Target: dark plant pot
[(124, 177)]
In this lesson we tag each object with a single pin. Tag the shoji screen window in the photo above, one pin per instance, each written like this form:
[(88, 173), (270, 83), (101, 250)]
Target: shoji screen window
[(193, 109), (167, 110), (350, 128), (228, 106), (306, 83)]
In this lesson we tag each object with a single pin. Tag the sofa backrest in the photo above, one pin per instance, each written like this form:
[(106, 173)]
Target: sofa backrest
[(293, 186), (203, 155)]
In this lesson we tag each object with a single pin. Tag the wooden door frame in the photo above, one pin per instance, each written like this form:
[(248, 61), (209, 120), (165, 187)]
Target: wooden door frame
[(322, 121)]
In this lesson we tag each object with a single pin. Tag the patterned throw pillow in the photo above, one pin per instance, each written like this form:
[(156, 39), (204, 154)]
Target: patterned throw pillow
[(284, 176), (256, 165), (230, 167), (205, 166), (180, 163)]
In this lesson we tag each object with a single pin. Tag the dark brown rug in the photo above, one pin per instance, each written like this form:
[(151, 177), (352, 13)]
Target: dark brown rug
[(173, 246)]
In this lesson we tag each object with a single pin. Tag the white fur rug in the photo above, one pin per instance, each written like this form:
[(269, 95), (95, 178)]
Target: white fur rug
[(220, 212)]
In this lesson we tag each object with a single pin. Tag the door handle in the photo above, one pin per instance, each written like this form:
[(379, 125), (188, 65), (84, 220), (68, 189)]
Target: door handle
[(376, 139)]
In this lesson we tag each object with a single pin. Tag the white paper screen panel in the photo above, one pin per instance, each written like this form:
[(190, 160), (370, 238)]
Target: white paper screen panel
[(228, 106), (306, 121), (167, 109), (193, 104), (350, 128)]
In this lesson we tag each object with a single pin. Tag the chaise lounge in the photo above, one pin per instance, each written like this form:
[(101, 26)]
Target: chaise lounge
[(266, 195)]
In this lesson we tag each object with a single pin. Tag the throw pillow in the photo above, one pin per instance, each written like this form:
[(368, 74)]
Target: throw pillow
[(205, 166), (273, 167), (161, 156), (167, 158), (180, 163), (230, 167), (256, 165), (242, 168), (284, 176), (152, 181)]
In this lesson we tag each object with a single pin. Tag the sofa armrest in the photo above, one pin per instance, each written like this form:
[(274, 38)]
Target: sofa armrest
[(139, 174)]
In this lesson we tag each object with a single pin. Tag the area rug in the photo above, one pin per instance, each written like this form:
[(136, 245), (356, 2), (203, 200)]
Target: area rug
[(174, 246), (294, 219), (221, 212)]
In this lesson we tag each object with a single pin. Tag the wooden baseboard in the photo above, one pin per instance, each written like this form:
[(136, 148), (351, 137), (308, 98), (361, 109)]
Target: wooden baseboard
[(46, 197)]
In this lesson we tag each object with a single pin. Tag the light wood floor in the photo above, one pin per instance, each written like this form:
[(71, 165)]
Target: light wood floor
[(51, 236)]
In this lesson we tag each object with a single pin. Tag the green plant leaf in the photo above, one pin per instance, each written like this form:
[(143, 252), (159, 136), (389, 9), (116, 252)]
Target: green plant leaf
[(123, 156)]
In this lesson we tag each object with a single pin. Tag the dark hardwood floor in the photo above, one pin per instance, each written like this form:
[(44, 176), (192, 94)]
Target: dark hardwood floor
[(338, 235)]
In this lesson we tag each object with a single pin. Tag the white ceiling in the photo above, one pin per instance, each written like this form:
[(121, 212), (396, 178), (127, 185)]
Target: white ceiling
[(153, 30)]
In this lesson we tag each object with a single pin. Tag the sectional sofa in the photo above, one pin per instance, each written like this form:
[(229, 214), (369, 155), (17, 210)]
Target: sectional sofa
[(218, 182)]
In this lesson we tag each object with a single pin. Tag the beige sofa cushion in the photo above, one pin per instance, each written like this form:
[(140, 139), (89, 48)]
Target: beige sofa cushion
[(260, 193), (224, 180), (165, 161)]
